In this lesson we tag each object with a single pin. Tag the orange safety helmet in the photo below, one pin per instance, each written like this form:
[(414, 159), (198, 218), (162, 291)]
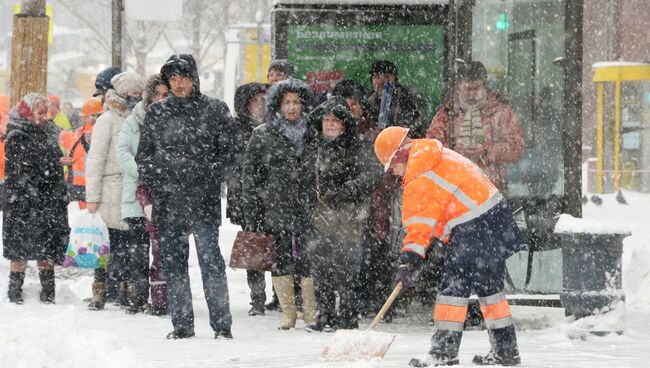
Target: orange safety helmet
[(92, 106), (388, 143)]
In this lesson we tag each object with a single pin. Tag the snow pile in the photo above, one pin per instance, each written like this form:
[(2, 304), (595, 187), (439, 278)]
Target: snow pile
[(60, 341), (569, 224)]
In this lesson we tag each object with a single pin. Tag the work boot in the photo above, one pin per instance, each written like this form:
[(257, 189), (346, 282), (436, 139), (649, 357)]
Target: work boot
[(433, 360), (286, 295), (99, 296), (47, 286), (506, 358), (309, 303), (15, 292)]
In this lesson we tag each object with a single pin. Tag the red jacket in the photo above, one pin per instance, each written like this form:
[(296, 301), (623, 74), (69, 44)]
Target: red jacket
[(503, 136)]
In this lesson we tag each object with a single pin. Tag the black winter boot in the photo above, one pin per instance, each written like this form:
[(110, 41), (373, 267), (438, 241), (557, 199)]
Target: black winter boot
[(15, 292), (47, 286), (506, 358), (433, 360)]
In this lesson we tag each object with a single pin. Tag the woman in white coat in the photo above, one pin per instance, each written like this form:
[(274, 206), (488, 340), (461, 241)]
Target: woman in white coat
[(104, 185)]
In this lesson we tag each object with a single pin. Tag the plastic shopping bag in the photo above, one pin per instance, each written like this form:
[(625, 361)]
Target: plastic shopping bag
[(89, 244)]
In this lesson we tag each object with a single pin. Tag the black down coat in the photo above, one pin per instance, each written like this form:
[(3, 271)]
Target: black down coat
[(184, 152), (244, 125), (35, 221), (340, 175), (274, 197)]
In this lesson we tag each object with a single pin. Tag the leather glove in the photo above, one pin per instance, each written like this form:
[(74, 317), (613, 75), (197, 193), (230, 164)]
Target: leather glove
[(409, 269)]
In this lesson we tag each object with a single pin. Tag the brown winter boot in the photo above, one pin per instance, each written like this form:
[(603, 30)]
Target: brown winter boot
[(99, 296), (286, 294), (309, 303)]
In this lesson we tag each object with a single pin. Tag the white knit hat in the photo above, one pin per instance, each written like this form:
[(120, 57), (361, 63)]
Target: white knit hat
[(126, 82)]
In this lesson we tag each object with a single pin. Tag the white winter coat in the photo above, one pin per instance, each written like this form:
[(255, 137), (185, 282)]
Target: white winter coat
[(103, 174)]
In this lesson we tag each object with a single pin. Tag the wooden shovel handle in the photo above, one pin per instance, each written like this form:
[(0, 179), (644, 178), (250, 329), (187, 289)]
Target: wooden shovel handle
[(384, 309)]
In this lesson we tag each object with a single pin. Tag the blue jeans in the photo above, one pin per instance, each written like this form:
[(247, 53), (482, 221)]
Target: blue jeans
[(174, 246)]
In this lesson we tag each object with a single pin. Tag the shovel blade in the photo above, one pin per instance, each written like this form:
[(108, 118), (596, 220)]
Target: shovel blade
[(357, 345)]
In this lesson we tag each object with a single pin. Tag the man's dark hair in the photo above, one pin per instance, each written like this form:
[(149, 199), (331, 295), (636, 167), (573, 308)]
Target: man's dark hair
[(383, 67), (349, 88), (472, 71), (282, 66)]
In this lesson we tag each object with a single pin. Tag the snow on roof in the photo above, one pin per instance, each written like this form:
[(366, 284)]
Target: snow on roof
[(362, 2), (570, 224)]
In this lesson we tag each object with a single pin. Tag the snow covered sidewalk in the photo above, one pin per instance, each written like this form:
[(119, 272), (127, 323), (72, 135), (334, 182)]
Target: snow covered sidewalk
[(68, 335)]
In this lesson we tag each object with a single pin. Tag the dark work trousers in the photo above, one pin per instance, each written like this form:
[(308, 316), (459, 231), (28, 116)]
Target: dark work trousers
[(335, 267), (174, 246), (257, 284), (459, 280), (291, 257)]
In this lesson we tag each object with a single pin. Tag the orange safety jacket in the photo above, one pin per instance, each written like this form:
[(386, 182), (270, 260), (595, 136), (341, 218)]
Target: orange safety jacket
[(442, 189), (72, 144)]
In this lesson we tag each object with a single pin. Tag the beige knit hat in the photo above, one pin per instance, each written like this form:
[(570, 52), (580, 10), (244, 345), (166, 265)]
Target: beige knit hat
[(126, 82)]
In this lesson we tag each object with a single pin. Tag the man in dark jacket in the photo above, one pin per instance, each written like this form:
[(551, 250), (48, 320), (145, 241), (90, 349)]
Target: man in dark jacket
[(182, 156), (404, 107), (249, 106)]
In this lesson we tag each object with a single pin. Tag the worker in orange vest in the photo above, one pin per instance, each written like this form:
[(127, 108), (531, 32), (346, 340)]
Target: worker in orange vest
[(447, 197), (75, 145)]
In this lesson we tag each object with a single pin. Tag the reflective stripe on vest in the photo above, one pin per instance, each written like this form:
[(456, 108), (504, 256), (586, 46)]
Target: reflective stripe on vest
[(415, 247), (472, 214), (450, 312), (475, 210), (496, 311)]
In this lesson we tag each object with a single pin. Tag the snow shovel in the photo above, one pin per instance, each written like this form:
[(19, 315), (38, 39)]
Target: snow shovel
[(358, 345)]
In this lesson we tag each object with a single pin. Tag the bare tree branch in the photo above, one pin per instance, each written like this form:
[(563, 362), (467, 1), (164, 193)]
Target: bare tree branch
[(106, 45)]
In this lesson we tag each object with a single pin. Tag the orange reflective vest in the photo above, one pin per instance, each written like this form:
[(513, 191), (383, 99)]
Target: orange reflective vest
[(442, 189), (71, 142)]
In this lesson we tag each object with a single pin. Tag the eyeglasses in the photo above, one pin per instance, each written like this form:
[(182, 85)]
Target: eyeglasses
[(276, 74)]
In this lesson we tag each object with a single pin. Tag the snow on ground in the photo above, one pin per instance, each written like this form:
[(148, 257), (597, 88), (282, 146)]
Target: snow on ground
[(68, 335)]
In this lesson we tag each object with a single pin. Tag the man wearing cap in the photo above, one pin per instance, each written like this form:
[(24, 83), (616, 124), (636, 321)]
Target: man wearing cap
[(447, 197), (403, 107), (486, 129), (183, 154), (103, 81)]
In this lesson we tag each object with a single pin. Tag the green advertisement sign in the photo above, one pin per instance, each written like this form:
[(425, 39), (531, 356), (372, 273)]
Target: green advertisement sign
[(322, 55)]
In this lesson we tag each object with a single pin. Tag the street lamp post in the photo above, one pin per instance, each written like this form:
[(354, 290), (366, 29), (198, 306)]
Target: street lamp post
[(259, 18)]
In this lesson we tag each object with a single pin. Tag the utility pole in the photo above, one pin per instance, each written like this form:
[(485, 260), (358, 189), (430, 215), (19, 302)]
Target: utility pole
[(29, 50), (117, 9), (451, 69)]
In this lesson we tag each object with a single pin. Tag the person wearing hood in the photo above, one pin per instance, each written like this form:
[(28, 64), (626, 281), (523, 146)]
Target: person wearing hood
[(136, 214), (35, 221), (274, 196), (249, 106), (104, 187), (340, 173), (183, 156)]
